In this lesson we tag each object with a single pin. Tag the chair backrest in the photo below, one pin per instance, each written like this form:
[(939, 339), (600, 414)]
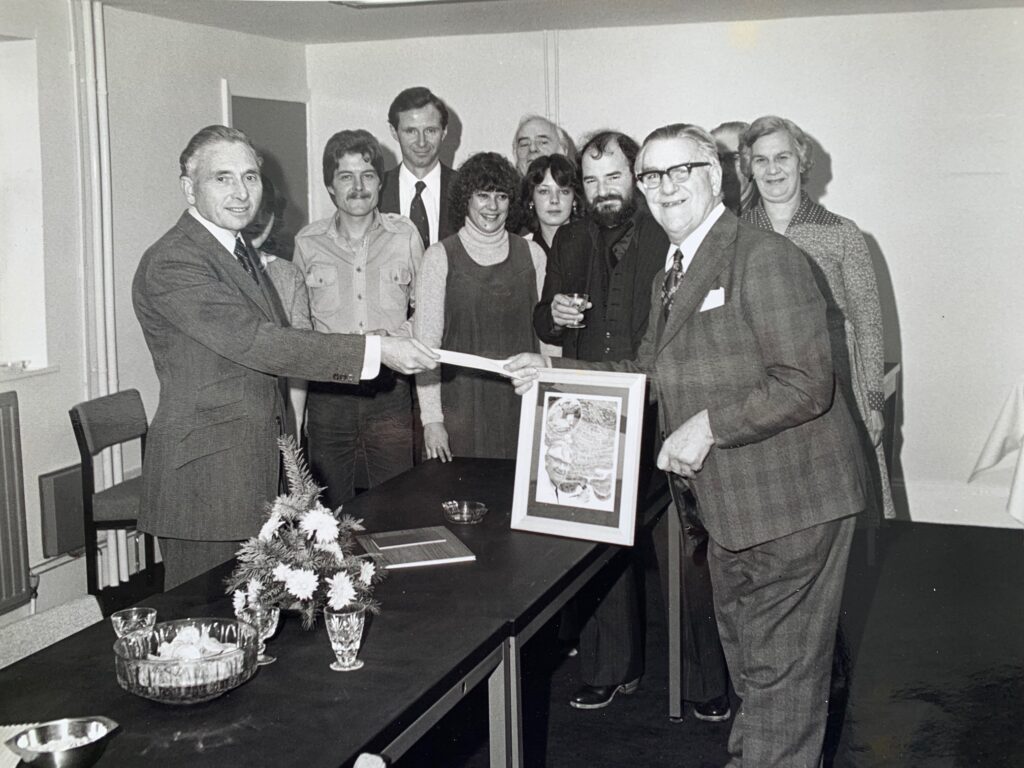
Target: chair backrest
[(33, 633), (109, 420)]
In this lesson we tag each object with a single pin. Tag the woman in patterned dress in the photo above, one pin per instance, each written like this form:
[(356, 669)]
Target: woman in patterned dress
[(779, 155)]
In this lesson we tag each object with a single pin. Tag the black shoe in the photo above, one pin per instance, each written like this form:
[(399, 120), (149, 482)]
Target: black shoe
[(598, 696), (714, 711)]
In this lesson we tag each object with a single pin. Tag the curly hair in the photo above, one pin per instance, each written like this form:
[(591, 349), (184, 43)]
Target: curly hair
[(564, 173), (483, 172)]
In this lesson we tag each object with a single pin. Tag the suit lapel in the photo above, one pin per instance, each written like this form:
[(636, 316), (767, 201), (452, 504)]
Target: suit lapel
[(229, 265), (711, 259)]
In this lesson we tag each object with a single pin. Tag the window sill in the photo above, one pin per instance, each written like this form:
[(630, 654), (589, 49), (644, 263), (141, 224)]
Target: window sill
[(8, 374)]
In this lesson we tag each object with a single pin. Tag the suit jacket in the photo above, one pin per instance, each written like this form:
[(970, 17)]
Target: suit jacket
[(389, 200), (786, 456), (218, 343)]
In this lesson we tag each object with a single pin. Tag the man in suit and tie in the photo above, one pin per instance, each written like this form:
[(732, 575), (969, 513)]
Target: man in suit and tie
[(738, 352), (219, 340), (418, 187)]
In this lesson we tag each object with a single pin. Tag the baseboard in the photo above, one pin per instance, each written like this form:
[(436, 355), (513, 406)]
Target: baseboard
[(981, 503)]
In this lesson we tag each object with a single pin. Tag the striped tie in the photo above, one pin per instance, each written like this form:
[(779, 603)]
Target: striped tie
[(672, 281), (245, 259)]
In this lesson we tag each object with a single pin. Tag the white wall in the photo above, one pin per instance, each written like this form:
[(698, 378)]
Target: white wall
[(44, 399), (914, 111)]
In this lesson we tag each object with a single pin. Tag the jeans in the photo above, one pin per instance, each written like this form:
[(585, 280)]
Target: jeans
[(369, 423)]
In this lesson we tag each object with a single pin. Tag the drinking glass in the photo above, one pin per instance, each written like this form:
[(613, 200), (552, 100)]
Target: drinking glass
[(579, 303), (345, 628), (132, 619), (264, 620)]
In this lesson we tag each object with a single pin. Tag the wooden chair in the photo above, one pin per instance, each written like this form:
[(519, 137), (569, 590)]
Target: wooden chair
[(99, 424)]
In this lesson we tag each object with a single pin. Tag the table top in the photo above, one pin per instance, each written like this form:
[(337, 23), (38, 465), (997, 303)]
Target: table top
[(437, 624)]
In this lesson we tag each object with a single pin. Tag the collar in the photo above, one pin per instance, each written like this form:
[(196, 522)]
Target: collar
[(224, 236), (432, 179), (693, 241), (376, 221)]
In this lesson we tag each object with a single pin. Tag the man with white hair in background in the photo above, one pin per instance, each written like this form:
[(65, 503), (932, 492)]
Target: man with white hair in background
[(738, 352), (537, 136), (739, 193)]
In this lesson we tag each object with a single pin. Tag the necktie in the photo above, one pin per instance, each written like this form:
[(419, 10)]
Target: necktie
[(418, 213), (672, 280), (244, 258)]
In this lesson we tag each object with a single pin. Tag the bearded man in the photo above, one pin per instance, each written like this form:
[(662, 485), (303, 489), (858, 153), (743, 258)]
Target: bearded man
[(613, 255)]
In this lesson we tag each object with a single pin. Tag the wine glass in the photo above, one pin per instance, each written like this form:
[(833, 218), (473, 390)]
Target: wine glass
[(345, 629), (579, 303), (264, 620)]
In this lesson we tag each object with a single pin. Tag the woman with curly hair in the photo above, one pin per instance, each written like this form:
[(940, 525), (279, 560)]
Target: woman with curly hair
[(476, 294), (779, 155), (549, 197)]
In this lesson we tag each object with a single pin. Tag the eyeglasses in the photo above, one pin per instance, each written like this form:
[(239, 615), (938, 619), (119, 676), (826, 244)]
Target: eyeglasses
[(678, 173)]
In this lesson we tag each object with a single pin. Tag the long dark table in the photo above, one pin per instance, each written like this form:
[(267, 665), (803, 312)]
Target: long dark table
[(443, 630)]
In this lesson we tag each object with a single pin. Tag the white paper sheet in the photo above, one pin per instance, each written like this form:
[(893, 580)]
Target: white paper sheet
[(473, 361)]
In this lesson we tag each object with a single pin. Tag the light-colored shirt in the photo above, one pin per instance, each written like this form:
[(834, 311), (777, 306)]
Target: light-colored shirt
[(693, 240), (431, 196), (358, 286), (372, 353)]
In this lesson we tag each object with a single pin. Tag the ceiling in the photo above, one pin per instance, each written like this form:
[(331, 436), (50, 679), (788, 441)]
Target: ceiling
[(319, 21)]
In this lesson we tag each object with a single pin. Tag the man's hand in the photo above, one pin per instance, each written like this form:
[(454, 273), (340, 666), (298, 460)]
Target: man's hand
[(876, 426), (435, 442), (406, 355), (685, 449), (564, 312), (523, 368)]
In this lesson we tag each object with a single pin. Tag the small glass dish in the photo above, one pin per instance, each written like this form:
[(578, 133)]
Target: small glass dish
[(464, 512), (75, 742), (133, 619)]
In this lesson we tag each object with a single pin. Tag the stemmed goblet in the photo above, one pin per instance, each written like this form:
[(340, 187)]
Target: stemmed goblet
[(264, 620), (345, 629)]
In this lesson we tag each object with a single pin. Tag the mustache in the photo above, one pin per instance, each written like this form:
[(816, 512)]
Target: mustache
[(607, 199), (355, 195)]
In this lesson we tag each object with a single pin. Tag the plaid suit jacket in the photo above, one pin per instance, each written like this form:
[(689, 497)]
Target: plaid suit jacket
[(219, 341), (786, 455)]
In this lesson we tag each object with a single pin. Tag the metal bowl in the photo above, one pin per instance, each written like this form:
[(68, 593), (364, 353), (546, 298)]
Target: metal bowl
[(40, 745), (185, 681), (464, 512)]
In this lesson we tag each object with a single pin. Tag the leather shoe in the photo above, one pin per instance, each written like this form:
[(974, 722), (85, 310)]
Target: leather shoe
[(598, 696), (715, 711)]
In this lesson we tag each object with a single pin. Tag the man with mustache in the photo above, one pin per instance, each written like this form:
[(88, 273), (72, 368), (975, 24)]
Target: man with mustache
[(612, 255), (360, 267)]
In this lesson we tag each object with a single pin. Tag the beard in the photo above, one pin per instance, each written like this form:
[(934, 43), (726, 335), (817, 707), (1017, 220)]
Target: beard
[(609, 219)]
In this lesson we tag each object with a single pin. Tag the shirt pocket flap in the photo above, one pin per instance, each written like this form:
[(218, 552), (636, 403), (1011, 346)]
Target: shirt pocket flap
[(321, 276)]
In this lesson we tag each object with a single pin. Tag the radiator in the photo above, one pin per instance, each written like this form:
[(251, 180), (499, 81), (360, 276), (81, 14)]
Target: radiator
[(14, 582)]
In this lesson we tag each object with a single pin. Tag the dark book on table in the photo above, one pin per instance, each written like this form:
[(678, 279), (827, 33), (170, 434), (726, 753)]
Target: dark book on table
[(416, 546)]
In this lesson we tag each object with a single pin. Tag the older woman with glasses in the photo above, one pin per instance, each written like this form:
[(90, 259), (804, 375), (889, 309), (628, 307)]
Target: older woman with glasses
[(549, 195), (476, 294), (779, 155)]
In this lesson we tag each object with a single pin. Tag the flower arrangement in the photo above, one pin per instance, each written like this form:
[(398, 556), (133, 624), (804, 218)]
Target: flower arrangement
[(304, 554)]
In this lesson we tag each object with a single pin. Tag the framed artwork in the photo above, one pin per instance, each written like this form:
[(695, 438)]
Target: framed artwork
[(579, 455)]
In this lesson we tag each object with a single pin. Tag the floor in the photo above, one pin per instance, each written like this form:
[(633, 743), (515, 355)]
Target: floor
[(935, 665)]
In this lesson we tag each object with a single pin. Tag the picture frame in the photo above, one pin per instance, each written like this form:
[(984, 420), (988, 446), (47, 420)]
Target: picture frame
[(578, 458)]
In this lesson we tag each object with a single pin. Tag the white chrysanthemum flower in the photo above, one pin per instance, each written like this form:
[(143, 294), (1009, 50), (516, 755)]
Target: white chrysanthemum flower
[(270, 527), (333, 547), (255, 587), (319, 522), (366, 571), (281, 572), (302, 583), (239, 600), (342, 591)]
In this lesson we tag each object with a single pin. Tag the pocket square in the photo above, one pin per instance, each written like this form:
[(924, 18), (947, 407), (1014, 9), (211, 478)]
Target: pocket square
[(714, 299)]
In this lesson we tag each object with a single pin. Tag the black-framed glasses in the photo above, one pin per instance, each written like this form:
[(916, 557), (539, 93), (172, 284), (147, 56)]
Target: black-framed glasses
[(678, 173)]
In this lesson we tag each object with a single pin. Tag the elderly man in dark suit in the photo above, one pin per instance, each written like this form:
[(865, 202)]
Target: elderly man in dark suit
[(418, 186), (219, 340), (739, 356)]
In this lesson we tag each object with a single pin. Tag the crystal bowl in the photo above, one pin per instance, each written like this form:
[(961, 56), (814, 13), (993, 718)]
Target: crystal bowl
[(185, 680), (75, 742), (464, 512)]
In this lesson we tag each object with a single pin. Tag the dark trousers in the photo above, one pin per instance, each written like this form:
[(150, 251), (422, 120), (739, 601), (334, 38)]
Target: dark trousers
[(347, 424), (777, 605), (185, 559), (611, 642)]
